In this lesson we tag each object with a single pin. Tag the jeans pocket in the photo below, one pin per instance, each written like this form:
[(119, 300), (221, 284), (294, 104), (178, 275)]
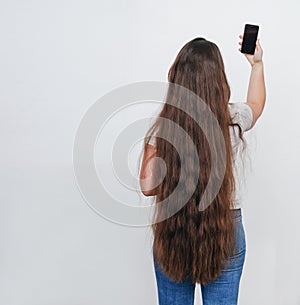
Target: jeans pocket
[(237, 258), (240, 237)]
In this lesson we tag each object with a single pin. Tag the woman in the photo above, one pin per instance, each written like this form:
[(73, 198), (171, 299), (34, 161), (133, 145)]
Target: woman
[(194, 245)]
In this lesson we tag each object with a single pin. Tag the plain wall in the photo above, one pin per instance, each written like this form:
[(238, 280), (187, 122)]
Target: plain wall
[(57, 58)]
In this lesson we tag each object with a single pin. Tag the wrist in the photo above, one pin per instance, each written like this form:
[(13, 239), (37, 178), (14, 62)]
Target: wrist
[(257, 64)]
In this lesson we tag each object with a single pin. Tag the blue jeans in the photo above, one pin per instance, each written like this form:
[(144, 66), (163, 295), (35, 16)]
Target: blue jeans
[(222, 291)]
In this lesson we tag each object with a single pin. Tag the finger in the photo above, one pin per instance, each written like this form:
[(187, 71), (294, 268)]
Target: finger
[(240, 43), (240, 49), (241, 36), (258, 47)]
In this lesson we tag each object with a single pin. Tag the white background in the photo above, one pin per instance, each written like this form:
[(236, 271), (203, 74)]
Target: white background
[(57, 58)]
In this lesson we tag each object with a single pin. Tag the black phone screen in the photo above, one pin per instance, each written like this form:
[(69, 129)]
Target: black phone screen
[(249, 38)]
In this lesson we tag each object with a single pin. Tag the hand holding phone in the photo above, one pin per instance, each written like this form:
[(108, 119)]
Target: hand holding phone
[(247, 46), (249, 39)]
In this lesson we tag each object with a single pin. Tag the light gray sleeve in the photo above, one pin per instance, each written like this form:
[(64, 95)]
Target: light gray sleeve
[(152, 141), (241, 114)]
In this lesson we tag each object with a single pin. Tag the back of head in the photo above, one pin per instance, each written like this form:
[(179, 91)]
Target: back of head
[(199, 67)]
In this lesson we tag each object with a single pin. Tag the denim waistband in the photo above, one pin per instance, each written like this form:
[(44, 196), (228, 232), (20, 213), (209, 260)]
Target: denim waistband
[(236, 212)]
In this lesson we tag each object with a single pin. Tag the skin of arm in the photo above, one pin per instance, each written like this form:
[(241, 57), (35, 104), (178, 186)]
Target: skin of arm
[(256, 95), (146, 182)]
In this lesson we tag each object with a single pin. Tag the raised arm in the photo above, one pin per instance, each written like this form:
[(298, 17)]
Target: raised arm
[(256, 95)]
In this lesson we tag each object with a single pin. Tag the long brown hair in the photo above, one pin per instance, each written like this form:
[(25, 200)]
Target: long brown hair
[(195, 243)]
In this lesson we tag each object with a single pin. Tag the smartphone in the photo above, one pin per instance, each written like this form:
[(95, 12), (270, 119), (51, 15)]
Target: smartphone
[(249, 39)]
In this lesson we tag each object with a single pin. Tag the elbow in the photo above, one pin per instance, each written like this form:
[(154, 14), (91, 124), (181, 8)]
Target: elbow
[(147, 193), (146, 189)]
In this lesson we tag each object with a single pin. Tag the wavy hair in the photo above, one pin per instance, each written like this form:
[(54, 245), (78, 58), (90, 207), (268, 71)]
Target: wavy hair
[(195, 243)]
